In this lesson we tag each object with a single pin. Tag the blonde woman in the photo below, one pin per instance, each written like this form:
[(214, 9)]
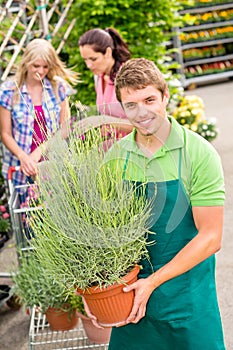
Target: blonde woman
[(32, 105)]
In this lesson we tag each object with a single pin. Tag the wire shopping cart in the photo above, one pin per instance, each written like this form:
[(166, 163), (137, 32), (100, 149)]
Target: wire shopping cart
[(40, 334), (41, 337), (17, 234), (19, 212)]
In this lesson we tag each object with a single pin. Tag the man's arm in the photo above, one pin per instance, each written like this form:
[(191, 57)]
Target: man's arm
[(209, 223)]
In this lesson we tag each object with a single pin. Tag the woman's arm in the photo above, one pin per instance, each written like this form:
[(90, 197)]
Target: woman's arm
[(65, 111), (27, 164), (100, 120)]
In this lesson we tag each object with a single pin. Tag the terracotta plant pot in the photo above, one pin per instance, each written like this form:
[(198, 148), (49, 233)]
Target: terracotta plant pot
[(94, 334), (111, 305), (60, 320)]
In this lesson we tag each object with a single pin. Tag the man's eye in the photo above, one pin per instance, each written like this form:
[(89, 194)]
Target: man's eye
[(150, 100), (130, 106)]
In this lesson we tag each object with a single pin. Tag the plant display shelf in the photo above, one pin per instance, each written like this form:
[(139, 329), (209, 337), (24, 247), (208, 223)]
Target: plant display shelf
[(41, 337), (216, 62)]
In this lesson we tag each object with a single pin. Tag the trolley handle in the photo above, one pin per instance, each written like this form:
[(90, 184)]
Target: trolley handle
[(11, 170)]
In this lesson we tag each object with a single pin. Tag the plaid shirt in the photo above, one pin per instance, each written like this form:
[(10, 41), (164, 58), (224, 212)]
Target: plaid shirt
[(22, 118)]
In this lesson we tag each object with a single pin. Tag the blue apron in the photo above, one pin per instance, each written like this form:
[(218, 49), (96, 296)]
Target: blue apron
[(183, 313)]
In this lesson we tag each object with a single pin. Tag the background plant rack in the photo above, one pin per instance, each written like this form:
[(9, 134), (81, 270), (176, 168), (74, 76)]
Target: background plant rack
[(207, 42)]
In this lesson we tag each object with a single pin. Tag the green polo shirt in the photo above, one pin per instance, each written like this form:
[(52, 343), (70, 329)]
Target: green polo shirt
[(200, 165)]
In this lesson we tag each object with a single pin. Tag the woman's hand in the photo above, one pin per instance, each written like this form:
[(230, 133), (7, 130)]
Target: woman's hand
[(36, 155), (27, 164)]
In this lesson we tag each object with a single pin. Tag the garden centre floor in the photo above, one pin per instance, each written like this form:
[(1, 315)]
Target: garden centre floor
[(218, 99)]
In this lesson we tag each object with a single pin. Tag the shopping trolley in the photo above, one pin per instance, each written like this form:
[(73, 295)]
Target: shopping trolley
[(40, 334), (17, 235), (18, 212), (41, 337)]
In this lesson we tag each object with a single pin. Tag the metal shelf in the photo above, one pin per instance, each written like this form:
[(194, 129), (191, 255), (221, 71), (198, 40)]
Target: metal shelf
[(207, 60), (206, 78), (205, 26), (181, 46), (206, 43), (210, 8)]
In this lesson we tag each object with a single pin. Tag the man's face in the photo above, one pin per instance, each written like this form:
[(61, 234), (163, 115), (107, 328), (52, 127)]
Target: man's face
[(145, 108)]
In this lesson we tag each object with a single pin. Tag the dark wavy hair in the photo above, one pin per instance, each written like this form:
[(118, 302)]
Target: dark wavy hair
[(101, 39)]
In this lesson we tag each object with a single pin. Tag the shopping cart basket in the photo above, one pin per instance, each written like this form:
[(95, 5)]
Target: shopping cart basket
[(19, 212), (18, 233), (41, 337)]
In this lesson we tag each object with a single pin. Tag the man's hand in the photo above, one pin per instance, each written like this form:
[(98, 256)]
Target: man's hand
[(143, 288), (90, 315)]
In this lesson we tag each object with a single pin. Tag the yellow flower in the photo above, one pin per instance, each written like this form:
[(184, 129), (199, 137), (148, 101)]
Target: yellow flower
[(193, 127)]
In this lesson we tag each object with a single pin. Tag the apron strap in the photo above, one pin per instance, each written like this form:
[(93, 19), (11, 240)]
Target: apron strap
[(125, 165)]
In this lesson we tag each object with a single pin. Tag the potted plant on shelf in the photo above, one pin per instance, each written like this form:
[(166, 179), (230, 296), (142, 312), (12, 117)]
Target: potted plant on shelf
[(93, 228), (36, 287)]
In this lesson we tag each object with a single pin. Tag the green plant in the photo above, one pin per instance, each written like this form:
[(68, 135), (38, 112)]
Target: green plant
[(93, 227), (5, 224), (207, 129), (34, 285), (147, 27), (190, 113)]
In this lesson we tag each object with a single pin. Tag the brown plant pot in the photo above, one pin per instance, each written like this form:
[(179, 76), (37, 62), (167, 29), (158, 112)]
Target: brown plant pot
[(94, 334), (60, 320), (111, 305)]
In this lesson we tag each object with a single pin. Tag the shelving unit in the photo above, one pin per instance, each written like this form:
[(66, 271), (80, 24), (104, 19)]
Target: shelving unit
[(205, 48)]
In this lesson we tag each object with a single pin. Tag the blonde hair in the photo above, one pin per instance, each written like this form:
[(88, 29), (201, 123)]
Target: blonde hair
[(43, 49)]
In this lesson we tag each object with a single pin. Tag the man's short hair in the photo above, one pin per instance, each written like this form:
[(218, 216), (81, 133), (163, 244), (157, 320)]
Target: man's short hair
[(137, 74)]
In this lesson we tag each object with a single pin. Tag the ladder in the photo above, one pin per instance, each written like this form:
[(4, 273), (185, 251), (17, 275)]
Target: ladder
[(21, 22)]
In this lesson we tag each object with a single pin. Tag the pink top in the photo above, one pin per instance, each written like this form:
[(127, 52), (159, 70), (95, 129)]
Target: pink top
[(40, 129), (107, 102)]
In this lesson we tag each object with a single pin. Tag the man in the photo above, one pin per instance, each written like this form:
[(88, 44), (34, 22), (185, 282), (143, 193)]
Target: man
[(175, 304)]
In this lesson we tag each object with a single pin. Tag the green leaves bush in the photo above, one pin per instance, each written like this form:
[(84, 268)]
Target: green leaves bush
[(93, 227), (145, 25)]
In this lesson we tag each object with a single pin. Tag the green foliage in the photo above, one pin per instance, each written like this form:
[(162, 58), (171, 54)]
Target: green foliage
[(145, 25), (36, 286), (93, 228), (4, 224), (208, 129), (191, 113)]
